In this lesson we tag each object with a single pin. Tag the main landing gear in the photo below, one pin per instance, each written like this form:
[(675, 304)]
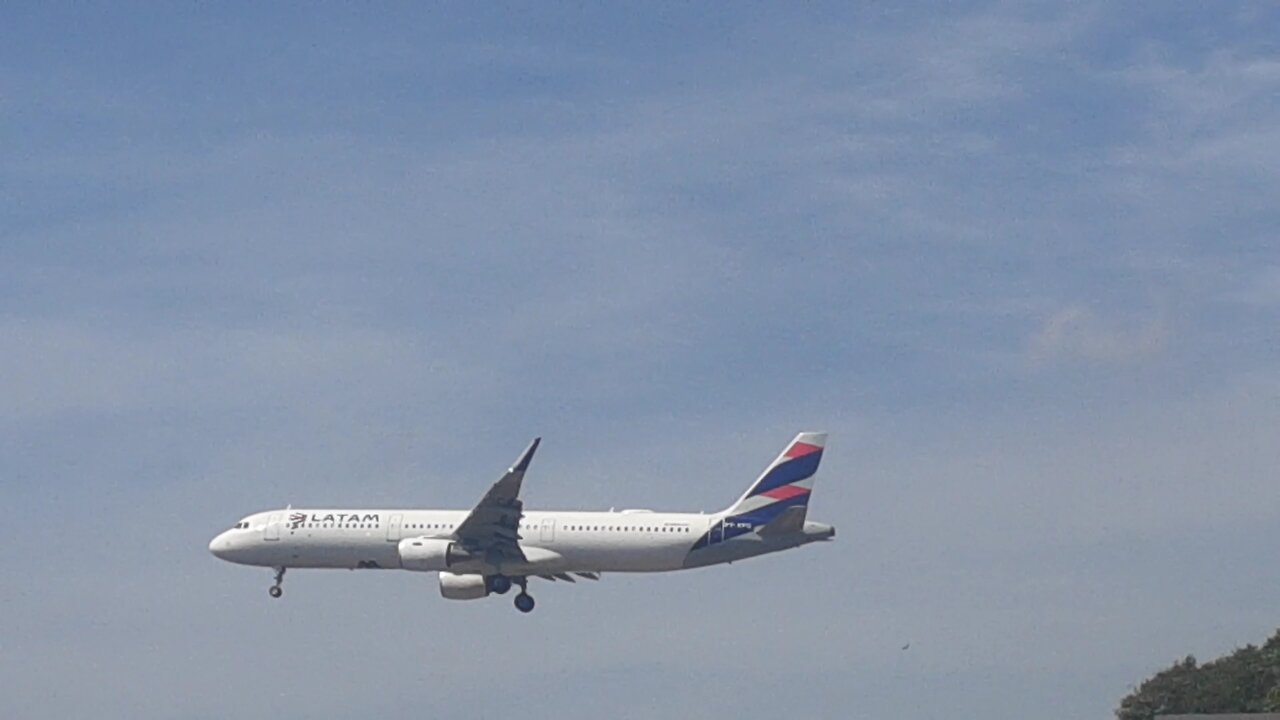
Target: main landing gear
[(499, 584), (275, 590), (524, 601)]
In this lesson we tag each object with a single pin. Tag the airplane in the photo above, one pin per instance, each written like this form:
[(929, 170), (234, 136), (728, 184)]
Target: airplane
[(497, 544)]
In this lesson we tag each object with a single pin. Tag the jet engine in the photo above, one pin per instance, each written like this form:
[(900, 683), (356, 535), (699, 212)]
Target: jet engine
[(463, 587), (428, 554)]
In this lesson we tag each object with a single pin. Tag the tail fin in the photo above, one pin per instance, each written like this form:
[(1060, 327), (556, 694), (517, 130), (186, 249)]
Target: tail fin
[(786, 483)]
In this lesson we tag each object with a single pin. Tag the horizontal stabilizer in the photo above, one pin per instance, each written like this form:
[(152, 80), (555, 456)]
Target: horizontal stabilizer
[(788, 521)]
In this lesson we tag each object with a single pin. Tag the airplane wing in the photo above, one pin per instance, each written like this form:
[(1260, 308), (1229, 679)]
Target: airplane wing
[(491, 530)]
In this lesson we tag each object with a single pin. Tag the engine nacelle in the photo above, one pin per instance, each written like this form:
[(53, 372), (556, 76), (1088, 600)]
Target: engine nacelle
[(463, 587), (430, 554)]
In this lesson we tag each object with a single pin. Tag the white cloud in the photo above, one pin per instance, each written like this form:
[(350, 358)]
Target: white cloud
[(1076, 333)]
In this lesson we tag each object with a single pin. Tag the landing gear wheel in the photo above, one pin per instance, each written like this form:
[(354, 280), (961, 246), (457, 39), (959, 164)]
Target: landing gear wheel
[(499, 584), (524, 602), (275, 590)]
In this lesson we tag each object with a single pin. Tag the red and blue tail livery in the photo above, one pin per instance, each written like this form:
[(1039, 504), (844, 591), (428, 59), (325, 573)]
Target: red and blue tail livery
[(785, 484), (787, 481)]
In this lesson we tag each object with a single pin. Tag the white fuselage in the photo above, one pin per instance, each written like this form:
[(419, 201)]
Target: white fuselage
[(554, 541)]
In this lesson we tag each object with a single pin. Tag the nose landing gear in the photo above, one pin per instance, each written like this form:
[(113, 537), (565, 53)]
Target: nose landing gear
[(276, 591)]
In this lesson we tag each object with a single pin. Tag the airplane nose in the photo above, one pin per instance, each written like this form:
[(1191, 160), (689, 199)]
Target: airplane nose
[(219, 546)]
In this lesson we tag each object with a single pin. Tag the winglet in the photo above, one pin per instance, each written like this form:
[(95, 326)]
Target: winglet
[(526, 457)]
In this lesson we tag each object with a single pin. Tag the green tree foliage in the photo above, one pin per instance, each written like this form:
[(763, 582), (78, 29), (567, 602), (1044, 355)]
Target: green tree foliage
[(1247, 680)]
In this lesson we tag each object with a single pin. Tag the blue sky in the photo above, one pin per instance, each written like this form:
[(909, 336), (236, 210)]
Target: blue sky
[(1021, 261)]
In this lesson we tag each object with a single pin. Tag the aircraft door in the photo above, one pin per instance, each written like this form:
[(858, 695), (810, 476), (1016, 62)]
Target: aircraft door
[(273, 527), (548, 530), (717, 532), (393, 528)]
